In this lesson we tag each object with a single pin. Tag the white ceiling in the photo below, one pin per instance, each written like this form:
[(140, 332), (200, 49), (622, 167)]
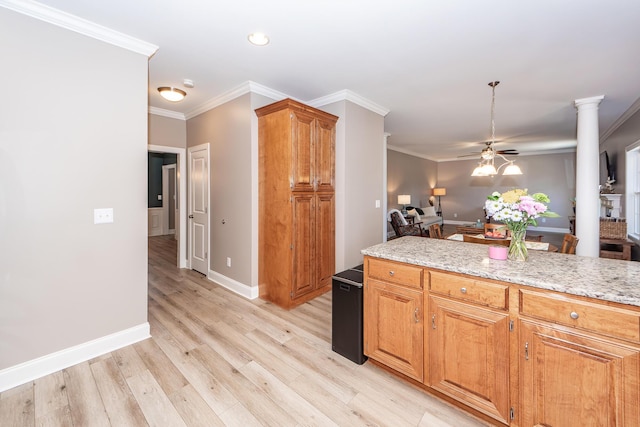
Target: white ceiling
[(427, 62)]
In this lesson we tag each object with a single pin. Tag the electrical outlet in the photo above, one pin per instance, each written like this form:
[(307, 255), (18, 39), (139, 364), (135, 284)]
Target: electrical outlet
[(228, 261), (455, 215), (159, 196), (377, 203), (103, 216)]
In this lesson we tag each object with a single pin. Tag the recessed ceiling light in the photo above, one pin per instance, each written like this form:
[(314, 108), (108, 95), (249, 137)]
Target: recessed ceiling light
[(259, 39), (172, 94)]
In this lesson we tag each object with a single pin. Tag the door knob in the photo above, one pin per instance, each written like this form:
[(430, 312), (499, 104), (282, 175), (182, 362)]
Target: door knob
[(190, 216)]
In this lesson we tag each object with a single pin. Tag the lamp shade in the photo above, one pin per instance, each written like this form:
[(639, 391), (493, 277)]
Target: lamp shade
[(404, 199), (512, 169), (439, 191)]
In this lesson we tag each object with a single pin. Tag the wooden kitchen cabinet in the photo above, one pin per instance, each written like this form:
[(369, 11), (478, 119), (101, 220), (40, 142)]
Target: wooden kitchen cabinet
[(576, 380), (583, 374), (393, 332), (468, 345), (296, 229), (511, 354)]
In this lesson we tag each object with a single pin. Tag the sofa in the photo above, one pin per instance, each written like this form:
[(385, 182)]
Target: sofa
[(426, 216)]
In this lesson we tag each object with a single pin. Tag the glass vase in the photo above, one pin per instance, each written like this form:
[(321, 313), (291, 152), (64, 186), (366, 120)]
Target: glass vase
[(517, 249)]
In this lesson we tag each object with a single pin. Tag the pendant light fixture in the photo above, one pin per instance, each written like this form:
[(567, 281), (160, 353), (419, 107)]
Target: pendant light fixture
[(486, 166)]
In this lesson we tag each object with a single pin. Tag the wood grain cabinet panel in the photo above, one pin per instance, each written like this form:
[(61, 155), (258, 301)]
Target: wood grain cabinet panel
[(296, 226), (394, 327), (469, 355), (575, 380)]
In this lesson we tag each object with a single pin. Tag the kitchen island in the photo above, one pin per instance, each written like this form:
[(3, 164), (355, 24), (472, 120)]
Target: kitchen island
[(552, 341)]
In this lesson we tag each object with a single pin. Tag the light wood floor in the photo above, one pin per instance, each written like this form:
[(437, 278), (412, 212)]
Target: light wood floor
[(218, 359)]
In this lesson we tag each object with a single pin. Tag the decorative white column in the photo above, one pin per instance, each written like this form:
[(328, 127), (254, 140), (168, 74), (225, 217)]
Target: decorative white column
[(587, 177)]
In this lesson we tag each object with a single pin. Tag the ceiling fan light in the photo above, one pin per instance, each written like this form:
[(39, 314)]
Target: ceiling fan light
[(478, 171), (172, 94), (489, 169), (512, 169)]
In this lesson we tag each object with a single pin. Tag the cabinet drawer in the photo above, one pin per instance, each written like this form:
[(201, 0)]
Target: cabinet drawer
[(468, 289), (391, 272), (612, 321)]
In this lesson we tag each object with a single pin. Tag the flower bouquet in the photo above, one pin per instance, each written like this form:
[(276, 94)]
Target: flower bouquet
[(517, 210)]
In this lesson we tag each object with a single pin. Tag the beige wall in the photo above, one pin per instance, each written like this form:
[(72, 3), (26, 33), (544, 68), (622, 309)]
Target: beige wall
[(616, 145), (167, 131), (228, 130), (68, 101), (411, 175), (359, 180), (552, 174)]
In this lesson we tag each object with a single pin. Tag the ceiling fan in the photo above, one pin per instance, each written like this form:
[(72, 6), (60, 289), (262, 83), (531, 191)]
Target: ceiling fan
[(489, 152), (486, 166)]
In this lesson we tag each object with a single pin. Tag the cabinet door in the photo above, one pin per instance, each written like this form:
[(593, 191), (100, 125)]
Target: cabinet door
[(394, 327), (303, 244), (303, 151), (576, 380), (469, 355), (325, 239), (325, 141)]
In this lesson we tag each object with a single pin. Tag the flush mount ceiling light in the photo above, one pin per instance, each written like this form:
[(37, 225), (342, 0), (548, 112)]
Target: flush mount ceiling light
[(258, 39), (486, 166), (172, 94)]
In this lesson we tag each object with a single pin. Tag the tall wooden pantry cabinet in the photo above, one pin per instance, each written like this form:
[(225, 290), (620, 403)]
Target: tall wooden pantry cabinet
[(296, 202)]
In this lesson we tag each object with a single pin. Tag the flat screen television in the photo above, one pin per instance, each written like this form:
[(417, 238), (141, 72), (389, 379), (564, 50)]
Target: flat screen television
[(606, 169)]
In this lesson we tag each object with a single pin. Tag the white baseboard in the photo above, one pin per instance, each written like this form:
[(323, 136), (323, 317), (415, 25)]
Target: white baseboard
[(45, 365), (249, 292)]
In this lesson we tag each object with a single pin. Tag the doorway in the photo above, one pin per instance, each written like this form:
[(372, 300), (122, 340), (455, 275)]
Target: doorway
[(181, 200)]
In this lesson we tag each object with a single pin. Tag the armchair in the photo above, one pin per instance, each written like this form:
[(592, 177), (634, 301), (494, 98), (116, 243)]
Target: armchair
[(401, 227)]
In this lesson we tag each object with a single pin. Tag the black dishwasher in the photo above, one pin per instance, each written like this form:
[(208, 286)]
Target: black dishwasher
[(346, 315)]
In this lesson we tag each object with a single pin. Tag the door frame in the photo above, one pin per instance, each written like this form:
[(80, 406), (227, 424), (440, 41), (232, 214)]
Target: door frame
[(190, 150), (182, 196)]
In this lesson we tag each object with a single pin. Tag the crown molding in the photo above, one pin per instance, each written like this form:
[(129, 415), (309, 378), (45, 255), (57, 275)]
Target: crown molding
[(635, 107), (347, 95), (166, 113), (409, 152), (79, 25), (234, 93)]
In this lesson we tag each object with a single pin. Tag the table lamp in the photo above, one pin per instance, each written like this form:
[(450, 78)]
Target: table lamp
[(404, 200)]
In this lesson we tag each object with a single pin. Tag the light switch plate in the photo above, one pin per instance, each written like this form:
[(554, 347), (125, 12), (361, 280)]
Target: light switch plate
[(103, 216), (159, 196), (377, 203)]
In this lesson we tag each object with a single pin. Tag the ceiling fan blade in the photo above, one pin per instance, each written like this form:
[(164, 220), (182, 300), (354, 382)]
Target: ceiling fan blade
[(470, 155)]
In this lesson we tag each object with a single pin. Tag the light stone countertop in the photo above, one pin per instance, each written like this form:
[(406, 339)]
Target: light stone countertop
[(601, 278)]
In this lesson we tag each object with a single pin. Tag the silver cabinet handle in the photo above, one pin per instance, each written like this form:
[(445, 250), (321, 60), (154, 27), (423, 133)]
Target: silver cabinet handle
[(463, 290), (433, 321), (391, 273), (574, 315), (415, 315)]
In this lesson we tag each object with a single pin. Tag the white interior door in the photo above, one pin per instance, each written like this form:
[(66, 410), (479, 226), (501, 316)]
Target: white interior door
[(199, 208)]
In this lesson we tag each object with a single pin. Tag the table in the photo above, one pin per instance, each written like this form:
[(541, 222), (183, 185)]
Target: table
[(623, 244), (536, 246), (469, 229)]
